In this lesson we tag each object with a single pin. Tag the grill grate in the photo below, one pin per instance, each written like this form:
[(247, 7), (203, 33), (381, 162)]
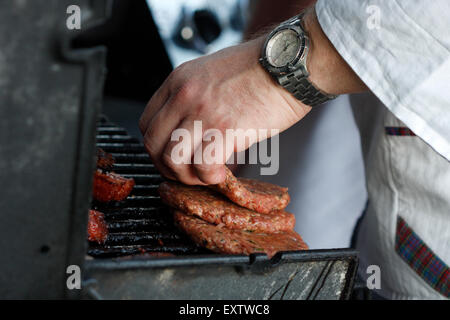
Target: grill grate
[(141, 223)]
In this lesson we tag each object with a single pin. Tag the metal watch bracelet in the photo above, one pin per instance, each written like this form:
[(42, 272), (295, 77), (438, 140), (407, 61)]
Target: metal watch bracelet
[(303, 90), (297, 82)]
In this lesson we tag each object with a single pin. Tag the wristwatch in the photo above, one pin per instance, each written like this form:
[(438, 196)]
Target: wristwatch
[(284, 56)]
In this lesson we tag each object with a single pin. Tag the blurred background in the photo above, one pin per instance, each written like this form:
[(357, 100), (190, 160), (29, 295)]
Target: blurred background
[(320, 157)]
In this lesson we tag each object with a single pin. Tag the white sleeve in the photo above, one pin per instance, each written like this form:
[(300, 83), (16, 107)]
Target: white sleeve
[(401, 50)]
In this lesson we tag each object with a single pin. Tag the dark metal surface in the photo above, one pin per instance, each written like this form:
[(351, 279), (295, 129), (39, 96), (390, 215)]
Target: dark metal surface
[(304, 275), (49, 99)]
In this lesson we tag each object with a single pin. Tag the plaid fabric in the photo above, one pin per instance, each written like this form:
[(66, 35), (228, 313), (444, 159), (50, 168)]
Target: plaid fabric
[(399, 131), (421, 259)]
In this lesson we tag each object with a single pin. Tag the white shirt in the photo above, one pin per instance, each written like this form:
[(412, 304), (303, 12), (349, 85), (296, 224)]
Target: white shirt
[(405, 63), (401, 50)]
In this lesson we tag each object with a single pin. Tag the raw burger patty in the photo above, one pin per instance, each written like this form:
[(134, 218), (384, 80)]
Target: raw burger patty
[(255, 195), (109, 186), (223, 240), (97, 229), (214, 208)]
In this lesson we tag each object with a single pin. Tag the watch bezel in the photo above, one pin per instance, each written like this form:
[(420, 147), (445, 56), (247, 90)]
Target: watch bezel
[(294, 64)]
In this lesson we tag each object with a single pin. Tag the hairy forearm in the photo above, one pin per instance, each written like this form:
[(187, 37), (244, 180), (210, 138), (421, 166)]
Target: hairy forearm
[(328, 70), (266, 13)]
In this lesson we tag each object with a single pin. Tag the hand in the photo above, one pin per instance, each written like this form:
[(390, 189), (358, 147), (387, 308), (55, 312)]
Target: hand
[(226, 90), (230, 90)]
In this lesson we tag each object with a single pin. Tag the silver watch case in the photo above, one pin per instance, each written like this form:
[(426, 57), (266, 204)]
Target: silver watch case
[(298, 65)]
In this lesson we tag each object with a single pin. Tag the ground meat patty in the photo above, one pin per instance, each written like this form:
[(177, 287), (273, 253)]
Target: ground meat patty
[(255, 195), (223, 240), (105, 160), (214, 208), (97, 229), (109, 186)]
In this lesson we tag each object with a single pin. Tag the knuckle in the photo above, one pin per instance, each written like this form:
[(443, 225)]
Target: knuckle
[(203, 109), (186, 92), (150, 147), (225, 123), (168, 161), (174, 74), (142, 125), (178, 72), (221, 124), (149, 144), (166, 172)]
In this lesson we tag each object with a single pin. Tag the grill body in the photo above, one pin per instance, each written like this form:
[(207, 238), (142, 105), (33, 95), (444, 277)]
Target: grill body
[(141, 225), (309, 275), (50, 98), (48, 120)]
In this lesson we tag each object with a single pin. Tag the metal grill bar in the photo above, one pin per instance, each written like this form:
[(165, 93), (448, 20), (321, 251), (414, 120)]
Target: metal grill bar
[(137, 225), (131, 168), (131, 158), (135, 213), (122, 250), (110, 129), (122, 147), (115, 138), (141, 223)]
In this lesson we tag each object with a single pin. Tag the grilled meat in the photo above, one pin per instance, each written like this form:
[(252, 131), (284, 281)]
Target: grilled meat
[(105, 161), (255, 195), (109, 186), (97, 229), (216, 209), (223, 240)]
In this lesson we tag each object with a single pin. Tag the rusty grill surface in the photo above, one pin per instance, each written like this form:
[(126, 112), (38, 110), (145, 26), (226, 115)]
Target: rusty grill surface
[(141, 223)]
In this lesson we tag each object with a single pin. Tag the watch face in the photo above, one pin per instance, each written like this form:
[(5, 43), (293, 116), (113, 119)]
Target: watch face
[(283, 48)]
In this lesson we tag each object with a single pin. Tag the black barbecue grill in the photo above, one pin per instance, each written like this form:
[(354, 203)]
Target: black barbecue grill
[(141, 225), (50, 127)]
